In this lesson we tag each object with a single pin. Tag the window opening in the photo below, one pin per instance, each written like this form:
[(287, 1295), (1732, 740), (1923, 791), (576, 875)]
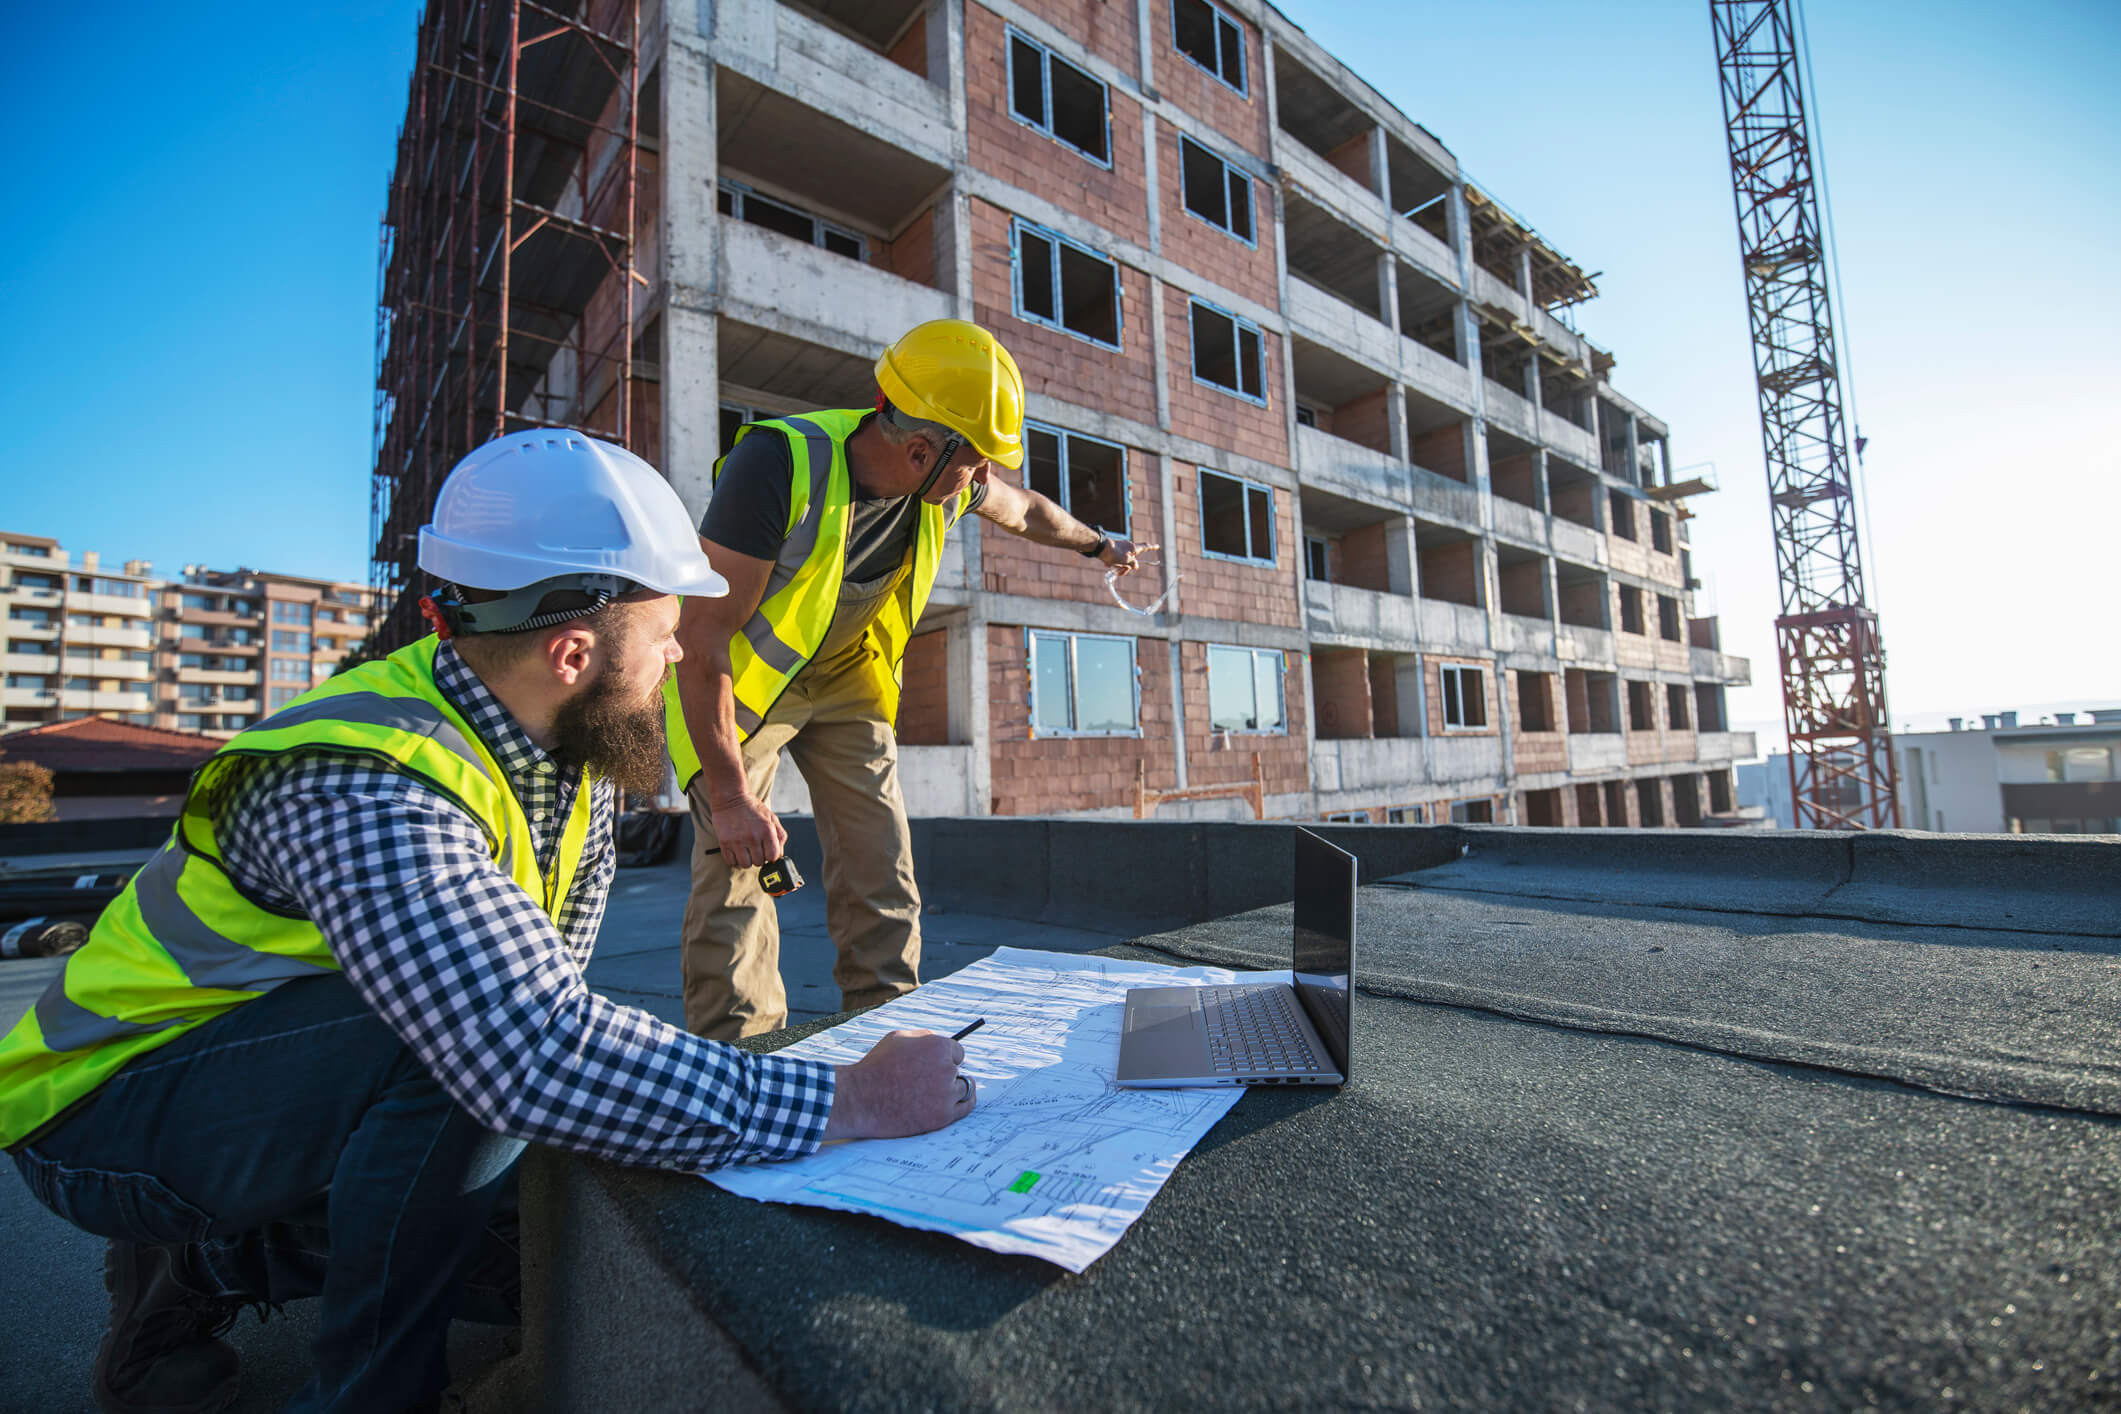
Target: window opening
[(1465, 698), (1245, 690), (739, 201), (1210, 39), (1214, 190), (1067, 286), (1227, 352), (1236, 518), (1083, 685), (1085, 476), (1050, 94)]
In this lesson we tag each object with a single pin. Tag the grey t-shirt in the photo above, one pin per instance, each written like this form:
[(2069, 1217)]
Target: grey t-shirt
[(749, 511)]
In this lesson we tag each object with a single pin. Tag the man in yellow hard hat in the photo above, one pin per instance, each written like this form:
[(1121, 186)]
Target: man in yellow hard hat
[(829, 527)]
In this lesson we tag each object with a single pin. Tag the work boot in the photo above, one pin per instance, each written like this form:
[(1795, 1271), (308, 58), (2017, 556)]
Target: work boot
[(159, 1354)]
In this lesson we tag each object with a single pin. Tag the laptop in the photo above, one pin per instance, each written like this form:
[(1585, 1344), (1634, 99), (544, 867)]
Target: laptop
[(1260, 1033)]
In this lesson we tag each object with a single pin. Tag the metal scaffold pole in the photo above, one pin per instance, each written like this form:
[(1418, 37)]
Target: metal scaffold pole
[(506, 266), (1842, 774)]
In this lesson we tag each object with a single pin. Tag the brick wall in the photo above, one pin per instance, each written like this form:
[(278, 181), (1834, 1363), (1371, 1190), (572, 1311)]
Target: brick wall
[(1283, 756), (924, 702), (912, 255), (911, 51), (1537, 751), (1224, 589), (1364, 561), (1011, 564), (1340, 686), (1441, 450), (1206, 413), (1353, 158), (1054, 362), (1192, 242), (1000, 145), (1451, 572), (1366, 420), (1033, 776), (1240, 117)]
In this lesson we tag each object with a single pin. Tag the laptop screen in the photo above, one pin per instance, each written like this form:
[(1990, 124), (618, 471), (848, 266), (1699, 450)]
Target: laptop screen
[(1325, 939)]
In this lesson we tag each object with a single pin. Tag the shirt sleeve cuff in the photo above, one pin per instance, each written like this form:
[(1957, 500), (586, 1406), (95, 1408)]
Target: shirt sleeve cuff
[(791, 1101)]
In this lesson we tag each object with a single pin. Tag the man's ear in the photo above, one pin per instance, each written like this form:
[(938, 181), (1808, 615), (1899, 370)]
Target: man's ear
[(568, 653)]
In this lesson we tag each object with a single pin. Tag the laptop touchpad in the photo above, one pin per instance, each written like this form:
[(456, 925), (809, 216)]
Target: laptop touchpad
[(1159, 1015)]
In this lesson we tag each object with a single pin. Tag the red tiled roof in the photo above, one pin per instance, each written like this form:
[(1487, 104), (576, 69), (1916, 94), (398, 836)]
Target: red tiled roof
[(100, 744)]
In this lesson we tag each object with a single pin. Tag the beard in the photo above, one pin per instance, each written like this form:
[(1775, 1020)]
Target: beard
[(614, 736)]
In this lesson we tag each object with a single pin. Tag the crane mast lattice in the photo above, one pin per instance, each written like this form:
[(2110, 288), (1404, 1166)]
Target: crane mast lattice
[(1833, 662)]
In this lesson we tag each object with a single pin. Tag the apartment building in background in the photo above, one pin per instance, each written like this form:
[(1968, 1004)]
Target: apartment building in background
[(1990, 775), (1420, 559), (208, 653)]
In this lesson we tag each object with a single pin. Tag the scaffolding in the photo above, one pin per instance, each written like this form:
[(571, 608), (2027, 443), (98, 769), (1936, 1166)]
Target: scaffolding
[(507, 288), (1833, 660)]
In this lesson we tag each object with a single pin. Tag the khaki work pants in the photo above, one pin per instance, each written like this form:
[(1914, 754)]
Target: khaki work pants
[(831, 724)]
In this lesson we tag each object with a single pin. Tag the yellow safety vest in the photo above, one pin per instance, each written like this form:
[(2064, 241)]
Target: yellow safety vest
[(183, 944), (795, 613)]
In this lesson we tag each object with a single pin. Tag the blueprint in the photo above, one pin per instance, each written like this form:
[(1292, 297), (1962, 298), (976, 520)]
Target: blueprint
[(1055, 1161)]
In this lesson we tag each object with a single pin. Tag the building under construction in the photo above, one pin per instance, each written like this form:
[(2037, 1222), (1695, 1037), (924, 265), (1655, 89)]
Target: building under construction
[(1420, 561)]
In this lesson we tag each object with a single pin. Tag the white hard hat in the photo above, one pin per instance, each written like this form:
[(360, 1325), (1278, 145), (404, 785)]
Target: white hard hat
[(553, 504)]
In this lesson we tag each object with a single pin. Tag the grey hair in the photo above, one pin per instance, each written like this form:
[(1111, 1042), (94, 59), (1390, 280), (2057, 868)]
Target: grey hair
[(899, 425)]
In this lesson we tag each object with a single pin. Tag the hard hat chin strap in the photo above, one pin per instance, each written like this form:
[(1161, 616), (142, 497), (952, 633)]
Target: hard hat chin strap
[(516, 611), (942, 460)]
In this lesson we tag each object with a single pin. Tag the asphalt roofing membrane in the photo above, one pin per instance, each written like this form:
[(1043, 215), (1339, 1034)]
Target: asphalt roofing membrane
[(1596, 1154)]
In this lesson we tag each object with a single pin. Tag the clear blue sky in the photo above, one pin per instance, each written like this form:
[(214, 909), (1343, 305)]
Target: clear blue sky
[(190, 280)]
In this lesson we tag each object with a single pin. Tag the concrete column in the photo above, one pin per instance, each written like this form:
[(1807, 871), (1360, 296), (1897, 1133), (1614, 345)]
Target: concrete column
[(1634, 472), (1524, 281), (692, 425), (1396, 423), (1400, 559), (1380, 166), (1388, 291)]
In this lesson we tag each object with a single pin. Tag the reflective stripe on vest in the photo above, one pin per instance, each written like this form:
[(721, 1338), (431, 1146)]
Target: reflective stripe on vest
[(182, 944), (802, 591)]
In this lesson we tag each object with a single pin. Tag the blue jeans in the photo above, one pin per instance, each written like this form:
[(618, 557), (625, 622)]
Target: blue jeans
[(294, 1147)]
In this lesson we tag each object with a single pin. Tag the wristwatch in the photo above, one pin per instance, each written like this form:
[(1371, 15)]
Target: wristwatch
[(1097, 551)]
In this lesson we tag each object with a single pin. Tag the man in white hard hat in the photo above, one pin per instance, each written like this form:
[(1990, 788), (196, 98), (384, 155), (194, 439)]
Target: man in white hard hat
[(300, 1054)]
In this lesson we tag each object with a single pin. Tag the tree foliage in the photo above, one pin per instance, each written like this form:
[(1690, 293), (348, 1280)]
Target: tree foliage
[(25, 793)]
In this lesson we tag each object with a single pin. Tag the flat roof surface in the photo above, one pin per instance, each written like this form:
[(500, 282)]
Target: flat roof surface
[(1725, 1132)]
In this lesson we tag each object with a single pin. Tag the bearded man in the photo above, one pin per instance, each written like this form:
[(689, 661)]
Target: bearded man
[(301, 1053)]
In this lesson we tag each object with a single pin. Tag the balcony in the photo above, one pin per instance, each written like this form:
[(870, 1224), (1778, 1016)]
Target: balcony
[(1431, 372), (217, 677), (843, 302), (1525, 637), (102, 668), (133, 638), (1323, 459), (1565, 437), (1423, 251), (1713, 748), (131, 606), (1333, 322), (1496, 295), (26, 628), (1577, 643), (28, 697), (1369, 763), (40, 598), (1444, 626), (1514, 521), (106, 701), (780, 59), (1321, 182), (1370, 616), (1707, 665), (1442, 498), (1597, 751), (1511, 412)]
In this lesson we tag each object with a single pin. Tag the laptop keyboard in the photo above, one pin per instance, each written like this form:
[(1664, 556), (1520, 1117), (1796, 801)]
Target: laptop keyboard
[(1253, 1031)]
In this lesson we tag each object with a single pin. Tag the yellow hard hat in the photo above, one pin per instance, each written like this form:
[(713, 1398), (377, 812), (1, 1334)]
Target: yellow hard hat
[(954, 372)]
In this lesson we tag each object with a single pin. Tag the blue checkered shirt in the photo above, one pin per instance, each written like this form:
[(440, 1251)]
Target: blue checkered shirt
[(485, 989)]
